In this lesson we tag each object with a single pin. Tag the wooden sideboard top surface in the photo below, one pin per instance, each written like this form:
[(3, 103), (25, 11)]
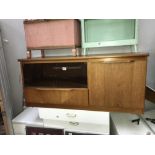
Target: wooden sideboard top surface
[(80, 58)]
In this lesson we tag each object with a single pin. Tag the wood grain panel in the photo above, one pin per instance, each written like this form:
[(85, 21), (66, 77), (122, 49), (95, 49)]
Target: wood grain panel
[(117, 84), (56, 96), (138, 83), (112, 83)]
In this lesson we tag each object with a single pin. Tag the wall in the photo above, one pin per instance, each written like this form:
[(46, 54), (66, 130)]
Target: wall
[(13, 31), (5, 90), (147, 43)]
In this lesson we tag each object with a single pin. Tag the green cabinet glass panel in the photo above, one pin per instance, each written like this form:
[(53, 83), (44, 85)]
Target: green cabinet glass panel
[(108, 32)]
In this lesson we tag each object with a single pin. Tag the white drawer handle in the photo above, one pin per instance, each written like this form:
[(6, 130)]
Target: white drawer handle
[(71, 115), (74, 123)]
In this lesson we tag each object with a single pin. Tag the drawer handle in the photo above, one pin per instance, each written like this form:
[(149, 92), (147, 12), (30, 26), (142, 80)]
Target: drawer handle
[(71, 115), (64, 68), (111, 62), (42, 88), (74, 123), (66, 89)]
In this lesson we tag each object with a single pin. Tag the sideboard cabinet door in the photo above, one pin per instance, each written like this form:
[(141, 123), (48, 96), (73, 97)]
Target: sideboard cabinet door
[(117, 84)]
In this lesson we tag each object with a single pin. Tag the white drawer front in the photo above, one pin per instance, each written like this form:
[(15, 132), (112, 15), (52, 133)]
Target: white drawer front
[(19, 129), (78, 127), (74, 115)]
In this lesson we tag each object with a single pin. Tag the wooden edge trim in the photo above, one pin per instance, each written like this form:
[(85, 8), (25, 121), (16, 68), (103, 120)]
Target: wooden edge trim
[(30, 21), (89, 57), (53, 47)]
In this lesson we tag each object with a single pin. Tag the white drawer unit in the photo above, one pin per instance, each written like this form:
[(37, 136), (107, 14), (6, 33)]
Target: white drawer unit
[(121, 124), (82, 116), (81, 121), (71, 121), (29, 117)]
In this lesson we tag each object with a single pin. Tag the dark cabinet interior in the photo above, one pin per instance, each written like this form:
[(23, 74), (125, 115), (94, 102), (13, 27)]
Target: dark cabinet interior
[(52, 131), (43, 131), (56, 75)]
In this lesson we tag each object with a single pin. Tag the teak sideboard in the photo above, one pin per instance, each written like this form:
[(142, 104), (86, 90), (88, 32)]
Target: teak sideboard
[(109, 82)]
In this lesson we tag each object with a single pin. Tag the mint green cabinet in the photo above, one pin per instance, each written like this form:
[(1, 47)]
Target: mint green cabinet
[(109, 32)]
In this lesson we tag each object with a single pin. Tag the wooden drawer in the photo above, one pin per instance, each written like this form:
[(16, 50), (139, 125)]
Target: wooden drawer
[(47, 96)]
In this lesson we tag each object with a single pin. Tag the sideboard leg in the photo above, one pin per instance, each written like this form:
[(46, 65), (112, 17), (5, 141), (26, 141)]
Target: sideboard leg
[(42, 53), (74, 52), (29, 54), (84, 51)]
